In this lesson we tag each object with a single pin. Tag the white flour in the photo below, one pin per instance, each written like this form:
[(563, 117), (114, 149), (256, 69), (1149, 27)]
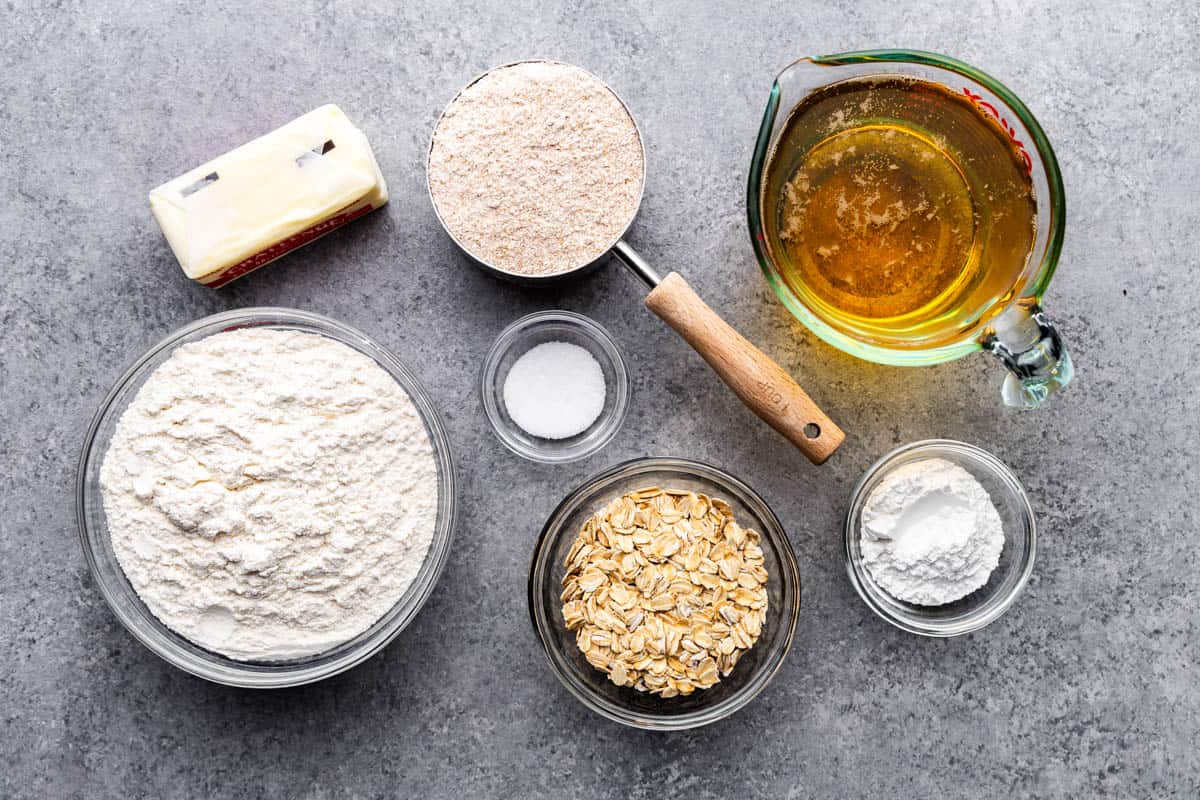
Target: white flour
[(930, 533), (270, 494), (536, 168)]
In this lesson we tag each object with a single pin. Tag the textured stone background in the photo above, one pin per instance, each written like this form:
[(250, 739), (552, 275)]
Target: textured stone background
[(1088, 687)]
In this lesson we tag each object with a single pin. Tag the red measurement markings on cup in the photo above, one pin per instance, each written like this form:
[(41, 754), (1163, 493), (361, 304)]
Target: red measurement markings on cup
[(979, 102)]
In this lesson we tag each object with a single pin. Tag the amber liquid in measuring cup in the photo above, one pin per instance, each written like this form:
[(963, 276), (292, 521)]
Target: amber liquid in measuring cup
[(898, 210)]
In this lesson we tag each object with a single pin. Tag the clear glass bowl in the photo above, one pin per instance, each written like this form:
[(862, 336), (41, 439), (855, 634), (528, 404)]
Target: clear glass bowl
[(990, 601), (121, 596), (525, 334), (625, 704)]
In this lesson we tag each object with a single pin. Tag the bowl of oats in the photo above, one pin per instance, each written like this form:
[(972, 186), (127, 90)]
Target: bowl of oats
[(665, 593)]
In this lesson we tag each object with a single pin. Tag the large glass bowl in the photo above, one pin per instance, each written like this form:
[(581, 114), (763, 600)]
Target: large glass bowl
[(124, 600), (987, 603), (625, 704)]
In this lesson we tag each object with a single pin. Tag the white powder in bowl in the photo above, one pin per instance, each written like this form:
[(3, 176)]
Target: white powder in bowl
[(930, 533), (270, 494), (556, 390), (536, 168)]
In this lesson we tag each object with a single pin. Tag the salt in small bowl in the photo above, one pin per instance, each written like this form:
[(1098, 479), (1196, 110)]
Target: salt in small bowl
[(518, 339)]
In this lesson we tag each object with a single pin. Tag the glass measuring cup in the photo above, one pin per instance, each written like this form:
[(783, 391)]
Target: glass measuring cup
[(1009, 324)]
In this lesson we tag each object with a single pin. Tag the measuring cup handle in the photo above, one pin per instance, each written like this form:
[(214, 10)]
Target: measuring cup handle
[(760, 383), (1037, 360)]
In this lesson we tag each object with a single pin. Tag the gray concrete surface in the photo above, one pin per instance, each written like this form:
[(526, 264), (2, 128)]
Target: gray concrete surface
[(1087, 688)]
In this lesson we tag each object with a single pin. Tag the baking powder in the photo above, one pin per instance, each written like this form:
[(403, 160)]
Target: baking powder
[(930, 533)]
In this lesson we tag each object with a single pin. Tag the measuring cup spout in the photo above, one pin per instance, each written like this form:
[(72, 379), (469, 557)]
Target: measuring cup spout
[(1037, 360)]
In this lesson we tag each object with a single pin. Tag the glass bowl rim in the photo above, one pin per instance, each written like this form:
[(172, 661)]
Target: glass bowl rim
[(265, 675), (998, 469), (594, 331), (772, 529)]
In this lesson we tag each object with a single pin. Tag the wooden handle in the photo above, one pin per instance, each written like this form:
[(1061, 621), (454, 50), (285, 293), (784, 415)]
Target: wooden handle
[(760, 382)]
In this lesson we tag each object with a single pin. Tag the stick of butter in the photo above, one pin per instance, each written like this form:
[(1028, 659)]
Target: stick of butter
[(248, 207)]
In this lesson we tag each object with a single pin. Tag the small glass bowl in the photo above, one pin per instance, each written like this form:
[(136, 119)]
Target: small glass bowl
[(518, 339), (123, 598), (990, 601), (627, 705)]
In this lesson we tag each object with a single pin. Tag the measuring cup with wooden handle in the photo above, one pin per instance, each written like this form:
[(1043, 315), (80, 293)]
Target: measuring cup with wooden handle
[(756, 379)]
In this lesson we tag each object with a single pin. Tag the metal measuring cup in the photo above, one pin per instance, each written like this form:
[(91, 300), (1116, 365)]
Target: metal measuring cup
[(753, 376)]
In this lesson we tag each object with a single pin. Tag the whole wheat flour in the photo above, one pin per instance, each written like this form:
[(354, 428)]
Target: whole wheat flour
[(536, 168), (270, 494)]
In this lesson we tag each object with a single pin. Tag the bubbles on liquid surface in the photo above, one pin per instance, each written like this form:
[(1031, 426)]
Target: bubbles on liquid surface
[(892, 203), (878, 219)]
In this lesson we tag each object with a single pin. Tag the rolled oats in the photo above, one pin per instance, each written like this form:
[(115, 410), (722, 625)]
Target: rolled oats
[(664, 591)]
